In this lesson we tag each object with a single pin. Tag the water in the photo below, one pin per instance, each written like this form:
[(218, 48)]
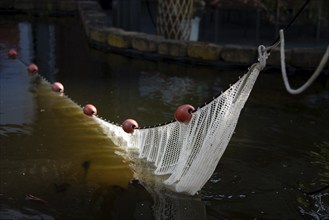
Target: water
[(276, 162)]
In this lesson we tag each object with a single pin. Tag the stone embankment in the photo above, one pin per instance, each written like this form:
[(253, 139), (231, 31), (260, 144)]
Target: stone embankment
[(102, 35)]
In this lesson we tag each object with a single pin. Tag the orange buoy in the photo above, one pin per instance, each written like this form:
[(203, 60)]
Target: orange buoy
[(89, 109), (129, 125), (57, 87), (12, 54), (184, 113), (33, 69)]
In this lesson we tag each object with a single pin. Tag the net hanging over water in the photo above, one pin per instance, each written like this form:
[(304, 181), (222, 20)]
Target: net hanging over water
[(174, 19), (189, 153)]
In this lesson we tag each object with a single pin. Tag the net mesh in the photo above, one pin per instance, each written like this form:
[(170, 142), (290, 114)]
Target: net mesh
[(189, 153), (167, 204), (174, 19)]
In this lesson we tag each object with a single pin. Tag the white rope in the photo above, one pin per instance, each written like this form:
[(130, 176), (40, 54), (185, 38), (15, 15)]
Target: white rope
[(269, 48), (262, 57), (310, 80)]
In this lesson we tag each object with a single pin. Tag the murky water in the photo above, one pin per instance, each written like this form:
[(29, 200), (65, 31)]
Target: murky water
[(275, 167)]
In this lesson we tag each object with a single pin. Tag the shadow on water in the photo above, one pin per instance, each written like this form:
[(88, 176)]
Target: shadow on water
[(277, 157)]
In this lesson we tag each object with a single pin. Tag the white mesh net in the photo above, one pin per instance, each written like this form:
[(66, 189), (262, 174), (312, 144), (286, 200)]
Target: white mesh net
[(189, 153), (174, 18), (167, 204)]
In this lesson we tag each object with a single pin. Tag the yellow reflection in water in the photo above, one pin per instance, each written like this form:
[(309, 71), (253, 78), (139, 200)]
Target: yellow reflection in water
[(81, 137), (64, 147), (321, 158)]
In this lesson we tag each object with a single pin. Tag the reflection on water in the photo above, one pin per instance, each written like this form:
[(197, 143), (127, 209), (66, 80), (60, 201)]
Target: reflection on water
[(62, 165), (169, 89), (316, 204), (320, 157), (25, 41), (7, 213), (17, 101), (49, 149)]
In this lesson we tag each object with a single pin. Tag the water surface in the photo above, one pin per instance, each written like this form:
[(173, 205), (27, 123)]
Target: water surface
[(50, 149)]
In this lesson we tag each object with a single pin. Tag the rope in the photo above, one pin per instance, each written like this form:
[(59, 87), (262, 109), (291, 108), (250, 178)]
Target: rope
[(269, 48), (262, 57), (310, 80), (266, 50), (280, 40), (292, 20)]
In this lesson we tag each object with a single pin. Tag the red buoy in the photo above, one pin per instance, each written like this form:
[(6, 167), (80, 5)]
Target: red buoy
[(12, 54), (89, 109), (33, 69), (57, 87), (184, 113), (129, 125)]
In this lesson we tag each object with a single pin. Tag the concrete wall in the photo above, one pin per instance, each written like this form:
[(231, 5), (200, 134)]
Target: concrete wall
[(101, 34)]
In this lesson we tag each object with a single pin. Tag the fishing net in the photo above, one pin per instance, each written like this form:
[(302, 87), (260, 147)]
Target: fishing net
[(174, 19), (167, 204), (189, 152)]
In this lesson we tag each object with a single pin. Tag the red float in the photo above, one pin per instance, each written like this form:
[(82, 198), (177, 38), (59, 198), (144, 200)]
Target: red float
[(129, 125), (184, 113), (12, 54), (33, 69), (89, 109), (57, 87)]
